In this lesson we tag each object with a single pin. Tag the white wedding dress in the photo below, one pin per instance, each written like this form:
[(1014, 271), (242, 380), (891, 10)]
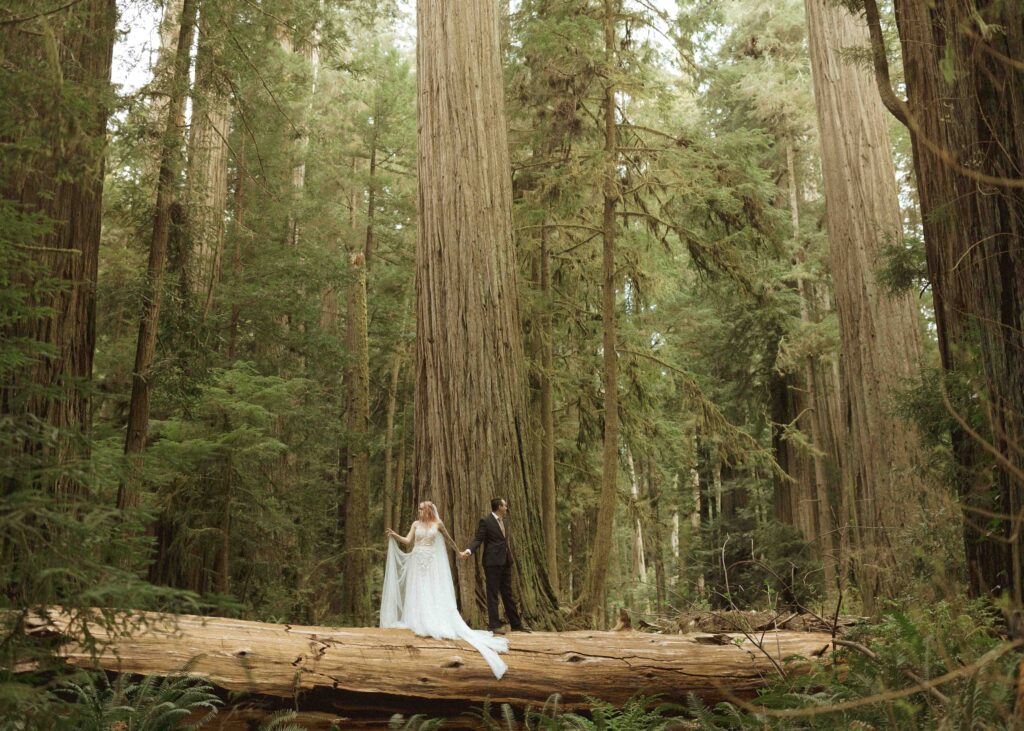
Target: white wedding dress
[(419, 595)]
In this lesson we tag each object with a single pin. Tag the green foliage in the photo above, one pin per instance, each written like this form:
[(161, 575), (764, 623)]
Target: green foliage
[(417, 722), (637, 714), (903, 268), (907, 646), (281, 721), (752, 562), (719, 299), (149, 704)]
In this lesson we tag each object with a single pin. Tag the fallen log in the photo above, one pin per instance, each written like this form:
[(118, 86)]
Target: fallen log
[(331, 669)]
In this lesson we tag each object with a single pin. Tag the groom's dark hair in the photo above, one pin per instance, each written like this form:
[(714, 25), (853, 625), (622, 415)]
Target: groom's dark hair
[(496, 503)]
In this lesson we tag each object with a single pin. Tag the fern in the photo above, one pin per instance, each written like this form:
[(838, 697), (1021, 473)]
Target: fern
[(152, 704), (418, 722), (279, 722)]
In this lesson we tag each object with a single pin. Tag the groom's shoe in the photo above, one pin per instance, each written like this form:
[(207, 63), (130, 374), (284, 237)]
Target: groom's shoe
[(522, 628), (498, 630)]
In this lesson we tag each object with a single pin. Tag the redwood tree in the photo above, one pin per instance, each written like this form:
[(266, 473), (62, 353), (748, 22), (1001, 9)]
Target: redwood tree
[(471, 440), (965, 111), (51, 194), (881, 346)]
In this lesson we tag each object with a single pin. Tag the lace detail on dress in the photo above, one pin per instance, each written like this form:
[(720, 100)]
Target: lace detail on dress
[(423, 546), (425, 535)]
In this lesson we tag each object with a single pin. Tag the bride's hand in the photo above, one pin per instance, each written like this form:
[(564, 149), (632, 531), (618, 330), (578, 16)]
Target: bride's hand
[(388, 533)]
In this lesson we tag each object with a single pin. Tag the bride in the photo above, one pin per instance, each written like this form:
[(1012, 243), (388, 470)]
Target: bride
[(418, 591)]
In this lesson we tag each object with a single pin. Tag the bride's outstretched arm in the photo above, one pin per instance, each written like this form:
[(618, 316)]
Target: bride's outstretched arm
[(404, 539)]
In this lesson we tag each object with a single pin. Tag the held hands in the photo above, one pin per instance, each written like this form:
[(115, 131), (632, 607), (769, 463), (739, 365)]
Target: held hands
[(464, 554)]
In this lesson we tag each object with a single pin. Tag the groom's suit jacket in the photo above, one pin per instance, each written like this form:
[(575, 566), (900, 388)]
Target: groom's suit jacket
[(496, 550)]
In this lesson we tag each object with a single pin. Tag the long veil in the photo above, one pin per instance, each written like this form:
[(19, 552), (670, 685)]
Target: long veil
[(392, 603)]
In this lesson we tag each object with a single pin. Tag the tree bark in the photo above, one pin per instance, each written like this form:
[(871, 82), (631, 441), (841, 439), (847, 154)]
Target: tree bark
[(364, 666), (357, 567), (597, 571), (880, 338), (965, 126), (61, 183), (819, 502), (549, 506), (390, 495), (470, 396), (695, 522), (159, 85), (656, 535), (207, 172), (639, 557), (145, 351), (236, 262)]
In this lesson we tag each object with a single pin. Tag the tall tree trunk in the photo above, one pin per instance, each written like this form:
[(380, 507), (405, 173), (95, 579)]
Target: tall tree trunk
[(145, 351), (357, 566), (820, 514), (358, 569), (881, 346), (695, 521), (593, 588), (973, 229), (162, 67), (371, 189), (236, 262), (61, 183), (639, 559), (656, 534), (780, 410), (207, 171), (549, 508), (390, 495), (402, 505), (222, 560), (470, 396)]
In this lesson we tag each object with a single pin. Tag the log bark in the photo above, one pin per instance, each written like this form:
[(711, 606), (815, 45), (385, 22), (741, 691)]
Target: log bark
[(332, 668)]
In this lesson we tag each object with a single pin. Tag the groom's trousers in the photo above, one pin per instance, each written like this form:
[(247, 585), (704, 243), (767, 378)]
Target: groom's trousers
[(499, 581)]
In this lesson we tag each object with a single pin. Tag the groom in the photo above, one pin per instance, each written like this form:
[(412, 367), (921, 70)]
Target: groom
[(491, 533)]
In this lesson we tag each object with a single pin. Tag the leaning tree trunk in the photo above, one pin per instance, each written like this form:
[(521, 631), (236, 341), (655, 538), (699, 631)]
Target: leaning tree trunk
[(60, 183), (170, 164), (968, 155), (597, 571), (881, 345), (470, 396)]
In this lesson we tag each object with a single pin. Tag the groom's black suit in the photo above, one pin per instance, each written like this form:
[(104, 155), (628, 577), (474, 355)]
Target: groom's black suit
[(497, 571)]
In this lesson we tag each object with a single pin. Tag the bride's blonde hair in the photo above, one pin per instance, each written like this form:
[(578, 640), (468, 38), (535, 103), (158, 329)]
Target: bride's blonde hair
[(431, 511)]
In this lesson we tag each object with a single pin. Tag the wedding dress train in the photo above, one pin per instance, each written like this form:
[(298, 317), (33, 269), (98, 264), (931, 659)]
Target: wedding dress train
[(419, 595)]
